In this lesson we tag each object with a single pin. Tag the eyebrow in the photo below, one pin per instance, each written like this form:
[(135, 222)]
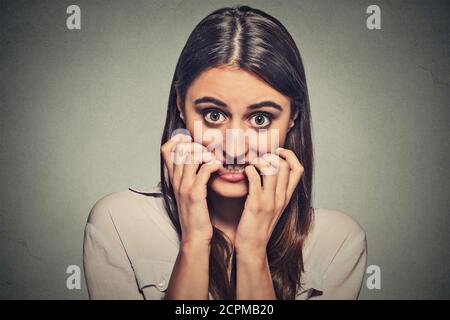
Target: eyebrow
[(261, 104)]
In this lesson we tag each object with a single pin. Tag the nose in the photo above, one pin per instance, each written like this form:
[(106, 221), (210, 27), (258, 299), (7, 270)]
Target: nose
[(236, 147)]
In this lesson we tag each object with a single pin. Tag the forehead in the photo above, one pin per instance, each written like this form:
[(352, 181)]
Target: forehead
[(234, 87)]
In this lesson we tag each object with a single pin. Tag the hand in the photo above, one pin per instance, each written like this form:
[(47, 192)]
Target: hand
[(266, 202), (182, 159)]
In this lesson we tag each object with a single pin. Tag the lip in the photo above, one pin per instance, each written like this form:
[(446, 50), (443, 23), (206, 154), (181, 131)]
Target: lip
[(232, 177)]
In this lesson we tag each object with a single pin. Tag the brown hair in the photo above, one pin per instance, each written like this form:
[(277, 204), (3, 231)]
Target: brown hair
[(257, 42)]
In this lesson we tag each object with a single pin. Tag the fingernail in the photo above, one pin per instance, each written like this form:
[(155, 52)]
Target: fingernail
[(207, 156), (178, 137), (213, 161), (187, 137), (277, 151)]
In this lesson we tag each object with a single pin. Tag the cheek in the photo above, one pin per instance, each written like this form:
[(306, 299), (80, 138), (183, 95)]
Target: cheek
[(192, 120), (267, 141), (210, 138), (282, 138), (281, 127)]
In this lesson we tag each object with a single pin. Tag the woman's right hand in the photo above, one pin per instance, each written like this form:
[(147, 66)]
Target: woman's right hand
[(182, 158)]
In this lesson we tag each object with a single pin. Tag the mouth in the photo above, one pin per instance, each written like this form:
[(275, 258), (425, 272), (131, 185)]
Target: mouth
[(232, 172)]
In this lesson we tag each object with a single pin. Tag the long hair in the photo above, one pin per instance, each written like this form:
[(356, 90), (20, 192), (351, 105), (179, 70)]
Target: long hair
[(258, 43)]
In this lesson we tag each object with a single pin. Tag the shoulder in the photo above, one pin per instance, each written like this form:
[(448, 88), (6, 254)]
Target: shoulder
[(339, 223), (100, 212), (136, 216), (126, 203), (331, 232)]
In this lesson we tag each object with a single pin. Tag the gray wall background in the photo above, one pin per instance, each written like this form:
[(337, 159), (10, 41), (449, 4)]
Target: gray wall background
[(82, 114)]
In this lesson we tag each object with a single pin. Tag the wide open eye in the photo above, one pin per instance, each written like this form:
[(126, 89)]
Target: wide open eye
[(260, 120), (214, 116)]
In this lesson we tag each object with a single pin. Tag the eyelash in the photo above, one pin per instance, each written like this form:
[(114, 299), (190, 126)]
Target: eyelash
[(265, 114)]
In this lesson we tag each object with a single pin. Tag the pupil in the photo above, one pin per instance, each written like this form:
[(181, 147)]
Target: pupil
[(259, 120), (214, 116)]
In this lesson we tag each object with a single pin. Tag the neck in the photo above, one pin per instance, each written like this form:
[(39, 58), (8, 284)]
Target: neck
[(225, 212)]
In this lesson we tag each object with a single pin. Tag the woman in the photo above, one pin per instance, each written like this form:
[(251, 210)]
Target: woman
[(228, 220)]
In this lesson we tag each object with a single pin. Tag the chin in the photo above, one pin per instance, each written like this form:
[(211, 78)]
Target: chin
[(228, 189)]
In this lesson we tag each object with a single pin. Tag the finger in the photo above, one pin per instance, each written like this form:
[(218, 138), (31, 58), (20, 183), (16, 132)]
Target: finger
[(180, 154), (188, 151), (281, 197), (269, 175), (196, 154), (254, 180), (194, 159), (205, 172), (167, 148), (296, 169), (191, 155)]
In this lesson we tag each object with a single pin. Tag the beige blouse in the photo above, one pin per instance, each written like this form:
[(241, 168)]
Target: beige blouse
[(130, 248)]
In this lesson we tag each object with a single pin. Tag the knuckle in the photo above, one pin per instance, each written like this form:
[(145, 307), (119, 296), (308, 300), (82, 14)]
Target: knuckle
[(283, 164), (164, 149), (287, 153), (255, 206), (269, 207), (183, 191), (290, 152), (298, 173), (192, 195)]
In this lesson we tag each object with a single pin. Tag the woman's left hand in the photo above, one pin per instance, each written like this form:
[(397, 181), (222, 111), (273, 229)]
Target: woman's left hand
[(268, 196)]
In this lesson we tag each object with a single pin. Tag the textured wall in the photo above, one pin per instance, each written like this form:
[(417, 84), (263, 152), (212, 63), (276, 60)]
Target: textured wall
[(82, 113)]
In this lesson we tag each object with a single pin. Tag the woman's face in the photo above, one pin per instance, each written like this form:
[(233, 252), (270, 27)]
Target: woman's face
[(238, 117)]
